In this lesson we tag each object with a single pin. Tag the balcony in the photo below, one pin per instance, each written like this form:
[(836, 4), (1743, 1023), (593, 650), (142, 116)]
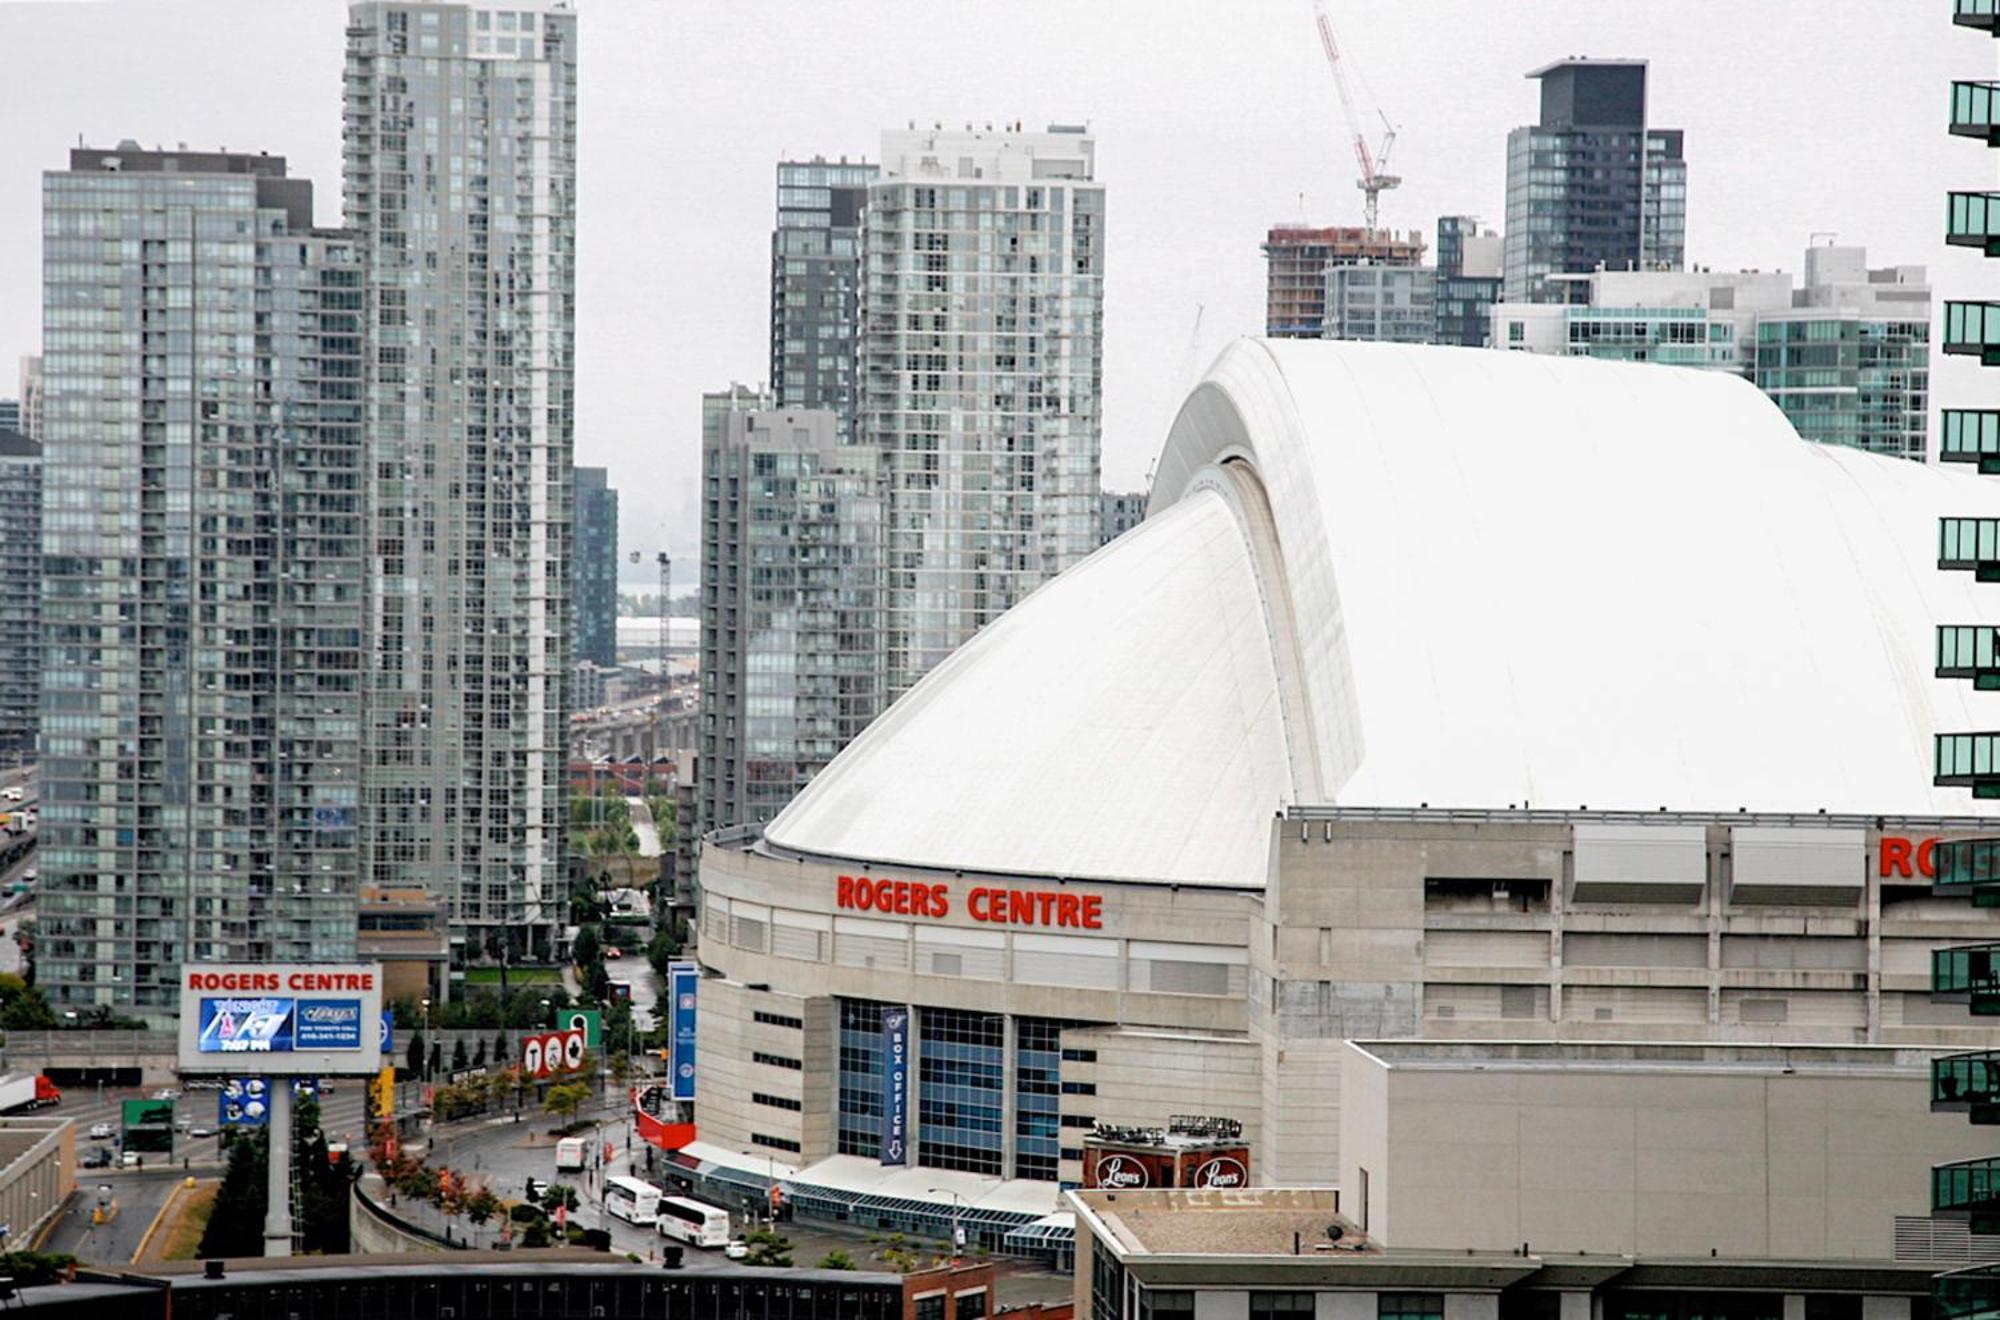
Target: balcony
[(1967, 866), (1967, 975), (1969, 760), (1972, 435), (1972, 329), (1969, 1190), (1975, 111), (1980, 15), (1967, 1084), (1972, 219), (1968, 1294), (1970, 650), (1970, 544)]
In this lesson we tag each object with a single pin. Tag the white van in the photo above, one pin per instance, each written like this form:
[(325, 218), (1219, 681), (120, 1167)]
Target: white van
[(571, 1152)]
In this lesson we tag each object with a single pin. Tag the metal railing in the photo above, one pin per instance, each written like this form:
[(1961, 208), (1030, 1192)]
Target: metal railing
[(1966, 1081), (1975, 109), (1972, 219), (1968, 972), (1972, 329), (1965, 1294), (1969, 760), (1976, 14), (1971, 435), (1970, 1188)]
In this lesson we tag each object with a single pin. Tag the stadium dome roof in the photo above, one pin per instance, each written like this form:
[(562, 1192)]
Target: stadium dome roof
[(1381, 575)]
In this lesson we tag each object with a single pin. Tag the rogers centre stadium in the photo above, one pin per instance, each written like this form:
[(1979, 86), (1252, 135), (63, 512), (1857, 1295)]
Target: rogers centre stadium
[(1444, 694)]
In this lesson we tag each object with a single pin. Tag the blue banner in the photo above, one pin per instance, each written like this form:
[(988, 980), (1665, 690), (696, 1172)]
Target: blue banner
[(244, 1102), (682, 978), (388, 1033), (896, 1085), (328, 1024)]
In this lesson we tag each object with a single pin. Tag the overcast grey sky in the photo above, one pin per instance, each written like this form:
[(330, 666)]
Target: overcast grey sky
[(1214, 119)]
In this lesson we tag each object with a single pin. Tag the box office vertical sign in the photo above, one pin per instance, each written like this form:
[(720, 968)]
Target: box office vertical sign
[(896, 1085), (682, 982)]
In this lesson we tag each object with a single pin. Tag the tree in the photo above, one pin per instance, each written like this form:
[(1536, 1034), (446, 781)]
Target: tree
[(565, 1098), (479, 1057), (459, 1060), (835, 1260), (500, 1047), (768, 1248), (415, 1055), (22, 1007), (662, 949), (419, 1183), (236, 1223), (586, 950), (481, 1205), (437, 1059), (560, 1196)]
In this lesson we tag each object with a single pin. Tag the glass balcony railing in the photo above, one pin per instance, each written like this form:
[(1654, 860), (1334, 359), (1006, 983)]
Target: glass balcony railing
[(1975, 111), (1972, 329), (1968, 974), (1968, 1294), (1970, 544), (1968, 1189), (1983, 15), (1969, 760), (1970, 650), (1972, 219), (1972, 435), (1967, 1084), (1962, 867)]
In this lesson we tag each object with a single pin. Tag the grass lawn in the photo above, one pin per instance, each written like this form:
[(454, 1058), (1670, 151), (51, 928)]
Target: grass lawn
[(180, 1235), (521, 976)]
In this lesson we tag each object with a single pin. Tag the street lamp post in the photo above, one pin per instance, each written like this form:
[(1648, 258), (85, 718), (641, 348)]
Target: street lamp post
[(958, 1204)]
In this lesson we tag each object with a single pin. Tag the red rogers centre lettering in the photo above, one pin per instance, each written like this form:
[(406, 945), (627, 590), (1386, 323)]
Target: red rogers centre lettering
[(272, 981), (1004, 907), (1899, 854)]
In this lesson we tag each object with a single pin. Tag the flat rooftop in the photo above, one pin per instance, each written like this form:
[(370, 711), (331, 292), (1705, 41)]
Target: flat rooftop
[(1645, 1056), (1266, 1221)]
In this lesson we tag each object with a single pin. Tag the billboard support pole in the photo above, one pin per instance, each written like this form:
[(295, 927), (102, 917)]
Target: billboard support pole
[(278, 1184)]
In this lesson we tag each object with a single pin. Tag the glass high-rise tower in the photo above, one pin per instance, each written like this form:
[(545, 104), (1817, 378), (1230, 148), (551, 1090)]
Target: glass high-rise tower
[(982, 374), (596, 561), (816, 285), (203, 574), (791, 641), (1591, 185), (460, 181)]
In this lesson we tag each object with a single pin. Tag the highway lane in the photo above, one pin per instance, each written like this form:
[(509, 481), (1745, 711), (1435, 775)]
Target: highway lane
[(135, 1197)]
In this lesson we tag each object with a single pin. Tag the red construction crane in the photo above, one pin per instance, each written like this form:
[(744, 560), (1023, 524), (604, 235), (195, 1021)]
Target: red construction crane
[(1375, 177)]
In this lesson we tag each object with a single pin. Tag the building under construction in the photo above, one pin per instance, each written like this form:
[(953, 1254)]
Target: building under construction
[(1297, 260)]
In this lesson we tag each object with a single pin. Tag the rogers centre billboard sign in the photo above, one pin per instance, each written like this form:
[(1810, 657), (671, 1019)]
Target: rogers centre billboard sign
[(281, 1019), (997, 904)]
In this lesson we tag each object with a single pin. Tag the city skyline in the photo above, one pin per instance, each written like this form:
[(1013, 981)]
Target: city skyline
[(1209, 126)]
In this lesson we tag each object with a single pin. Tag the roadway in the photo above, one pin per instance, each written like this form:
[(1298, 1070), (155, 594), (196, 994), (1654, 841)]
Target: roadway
[(505, 1154)]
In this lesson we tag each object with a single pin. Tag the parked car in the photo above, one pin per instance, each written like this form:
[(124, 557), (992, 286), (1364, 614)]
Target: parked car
[(183, 1124), (97, 1157), (100, 1132), (166, 1093), (737, 1249), (202, 1132), (613, 951), (131, 1159)]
